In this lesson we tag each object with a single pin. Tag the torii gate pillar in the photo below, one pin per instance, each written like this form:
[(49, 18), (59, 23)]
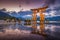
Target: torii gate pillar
[(34, 19), (42, 18)]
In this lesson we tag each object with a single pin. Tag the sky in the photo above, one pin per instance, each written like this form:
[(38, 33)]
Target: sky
[(17, 5)]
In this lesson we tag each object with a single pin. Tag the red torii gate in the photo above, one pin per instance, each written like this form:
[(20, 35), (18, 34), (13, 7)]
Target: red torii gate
[(42, 18)]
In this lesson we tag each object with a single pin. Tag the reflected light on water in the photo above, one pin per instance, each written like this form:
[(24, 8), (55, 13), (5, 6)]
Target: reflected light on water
[(50, 27), (15, 30)]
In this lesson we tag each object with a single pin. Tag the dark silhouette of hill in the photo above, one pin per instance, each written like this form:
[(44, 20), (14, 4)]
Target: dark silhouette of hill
[(4, 15)]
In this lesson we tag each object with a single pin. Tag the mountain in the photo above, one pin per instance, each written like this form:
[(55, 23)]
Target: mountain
[(4, 15), (54, 18), (27, 17), (22, 13), (14, 14)]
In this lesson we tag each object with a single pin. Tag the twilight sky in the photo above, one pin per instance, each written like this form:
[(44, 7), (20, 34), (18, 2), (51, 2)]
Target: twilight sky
[(13, 5)]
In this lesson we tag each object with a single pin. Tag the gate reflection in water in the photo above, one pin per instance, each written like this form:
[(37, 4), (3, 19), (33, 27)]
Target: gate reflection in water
[(49, 29)]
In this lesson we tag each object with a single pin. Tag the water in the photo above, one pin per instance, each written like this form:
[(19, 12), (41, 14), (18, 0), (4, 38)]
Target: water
[(52, 30)]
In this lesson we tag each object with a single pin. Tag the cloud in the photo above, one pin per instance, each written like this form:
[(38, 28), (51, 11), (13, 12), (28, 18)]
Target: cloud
[(57, 8), (49, 2), (53, 11)]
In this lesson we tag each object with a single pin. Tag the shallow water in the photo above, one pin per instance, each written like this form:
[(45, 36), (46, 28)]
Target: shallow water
[(16, 29)]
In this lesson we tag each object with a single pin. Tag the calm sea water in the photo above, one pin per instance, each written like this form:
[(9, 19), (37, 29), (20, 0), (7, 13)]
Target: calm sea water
[(50, 29)]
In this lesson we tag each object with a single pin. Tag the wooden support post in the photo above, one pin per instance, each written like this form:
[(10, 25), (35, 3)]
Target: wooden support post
[(34, 19), (42, 19)]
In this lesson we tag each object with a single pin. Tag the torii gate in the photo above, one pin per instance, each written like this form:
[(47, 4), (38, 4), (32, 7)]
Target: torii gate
[(42, 18)]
